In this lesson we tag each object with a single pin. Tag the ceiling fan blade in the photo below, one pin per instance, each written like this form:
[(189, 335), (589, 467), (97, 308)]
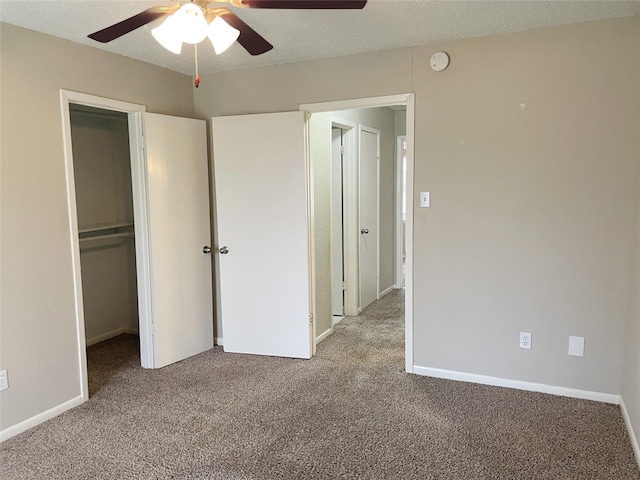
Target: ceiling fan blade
[(251, 40), (306, 4), (125, 26)]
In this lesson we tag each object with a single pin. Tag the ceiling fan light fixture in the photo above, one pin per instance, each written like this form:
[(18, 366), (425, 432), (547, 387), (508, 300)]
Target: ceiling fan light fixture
[(190, 24), (221, 34), (166, 35)]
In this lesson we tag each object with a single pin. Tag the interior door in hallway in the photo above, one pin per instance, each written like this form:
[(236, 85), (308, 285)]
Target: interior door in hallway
[(179, 226), (369, 264), (262, 213)]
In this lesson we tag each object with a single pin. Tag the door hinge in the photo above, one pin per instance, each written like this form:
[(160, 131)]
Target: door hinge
[(311, 318), (142, 143), (341, 150), (344, 285)]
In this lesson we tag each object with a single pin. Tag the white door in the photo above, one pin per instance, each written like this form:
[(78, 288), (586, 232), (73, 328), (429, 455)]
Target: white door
[(179, 230), (262, 216), (337, 249), (369, 200)]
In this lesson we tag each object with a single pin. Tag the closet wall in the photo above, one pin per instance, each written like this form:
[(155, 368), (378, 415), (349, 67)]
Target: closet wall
[(102, 171)]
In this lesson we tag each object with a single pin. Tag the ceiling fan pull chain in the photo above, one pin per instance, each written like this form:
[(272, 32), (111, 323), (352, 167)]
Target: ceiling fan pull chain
[(196, 83)]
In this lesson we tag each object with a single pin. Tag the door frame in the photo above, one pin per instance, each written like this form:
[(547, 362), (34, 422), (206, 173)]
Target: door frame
[(350, 215), (141, 215), (373, 131), (398, 210), (407, 99)]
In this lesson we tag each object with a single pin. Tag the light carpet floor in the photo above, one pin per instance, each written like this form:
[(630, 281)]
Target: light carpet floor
[(349, 413)]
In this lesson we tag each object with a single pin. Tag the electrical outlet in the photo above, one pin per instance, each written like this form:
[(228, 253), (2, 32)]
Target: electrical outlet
[(4, 381), (525, 340)]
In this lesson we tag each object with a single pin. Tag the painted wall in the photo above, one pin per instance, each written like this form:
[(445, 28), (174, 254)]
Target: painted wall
[(102, 171), (38, 344), (320, 158), (529, 147)]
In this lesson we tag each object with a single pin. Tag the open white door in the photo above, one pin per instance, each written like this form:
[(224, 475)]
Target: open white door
[(180, 234), (262, 212)]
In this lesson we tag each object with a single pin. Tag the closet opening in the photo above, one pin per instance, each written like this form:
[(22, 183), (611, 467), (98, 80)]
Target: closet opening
[(105, 216)]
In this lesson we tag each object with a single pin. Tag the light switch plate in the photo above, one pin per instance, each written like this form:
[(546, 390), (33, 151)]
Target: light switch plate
[(4, 381), (576, 346), (425, 199)]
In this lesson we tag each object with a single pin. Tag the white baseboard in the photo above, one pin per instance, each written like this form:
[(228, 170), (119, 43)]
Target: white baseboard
[(111, 334), (517, 384), (632, 435), (217, 341), (337, 319), (324, 335), (14, 430), (386, 291)]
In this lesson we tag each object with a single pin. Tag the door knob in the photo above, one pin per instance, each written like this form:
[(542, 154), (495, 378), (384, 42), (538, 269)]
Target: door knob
[(364, 231), (206, 249), (224, 250)]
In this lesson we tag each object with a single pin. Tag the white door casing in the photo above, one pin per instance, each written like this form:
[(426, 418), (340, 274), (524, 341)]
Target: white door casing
[(400, 199), (369, 207), (263, 217), (337, 248), (179, 231), (407, 99)]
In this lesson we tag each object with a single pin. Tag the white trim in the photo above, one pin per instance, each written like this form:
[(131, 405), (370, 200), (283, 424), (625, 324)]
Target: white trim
[(407, 99), (387, 291), (408, 272), (140, 191), (14, 430), (111, 334), (632, 434), (350, 213), (138, 172), (516, 384), (311, 241), (324, 335), (357, 103), (398, 213), (337, 319), (218, 341), (65, 99)]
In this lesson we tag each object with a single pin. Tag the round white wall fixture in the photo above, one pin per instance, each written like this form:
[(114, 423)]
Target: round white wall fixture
[(439, 61)]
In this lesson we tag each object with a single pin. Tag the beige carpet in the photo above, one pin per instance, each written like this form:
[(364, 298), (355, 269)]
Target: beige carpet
[(349, 413)]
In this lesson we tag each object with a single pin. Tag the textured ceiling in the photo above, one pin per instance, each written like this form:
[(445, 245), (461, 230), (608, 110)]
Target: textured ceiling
[(305, 35)]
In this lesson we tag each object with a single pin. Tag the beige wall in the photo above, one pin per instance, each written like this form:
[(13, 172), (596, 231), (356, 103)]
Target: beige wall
[(320, 158), (528, 144), (38, 345)]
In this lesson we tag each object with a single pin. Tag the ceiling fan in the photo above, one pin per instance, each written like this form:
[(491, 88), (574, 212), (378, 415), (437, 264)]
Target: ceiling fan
[(251, 40)]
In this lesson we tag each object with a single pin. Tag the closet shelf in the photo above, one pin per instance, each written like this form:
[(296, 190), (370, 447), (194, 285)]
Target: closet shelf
[(107, 237), (104, 226)]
